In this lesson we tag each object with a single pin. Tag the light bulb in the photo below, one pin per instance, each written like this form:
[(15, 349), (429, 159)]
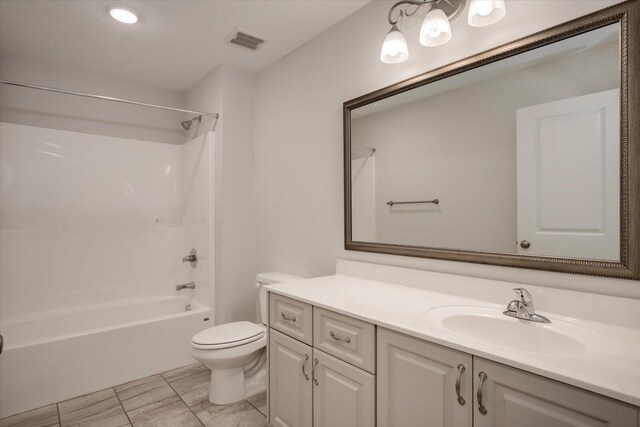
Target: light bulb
[(436, 29), (486, 12), (394, 49), (123, 15)]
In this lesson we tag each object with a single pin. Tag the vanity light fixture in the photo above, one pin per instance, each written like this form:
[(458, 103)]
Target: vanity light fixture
[(123, 15), (436, 27)]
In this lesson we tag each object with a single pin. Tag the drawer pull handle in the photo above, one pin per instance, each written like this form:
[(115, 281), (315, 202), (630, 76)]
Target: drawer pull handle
[(313, 371), (481, 407), (285, 317), (306, 357), (460, 372), (332, 335)]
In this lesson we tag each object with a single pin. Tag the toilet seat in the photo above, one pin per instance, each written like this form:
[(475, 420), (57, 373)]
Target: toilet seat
[(228, 335)]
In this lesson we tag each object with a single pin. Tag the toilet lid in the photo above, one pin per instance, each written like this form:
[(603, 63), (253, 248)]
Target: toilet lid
[(229, 335)]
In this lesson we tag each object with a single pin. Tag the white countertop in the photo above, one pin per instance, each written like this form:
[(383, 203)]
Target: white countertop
[(610, 366)]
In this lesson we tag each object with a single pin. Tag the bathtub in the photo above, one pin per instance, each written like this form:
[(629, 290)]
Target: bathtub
[(63, 354)]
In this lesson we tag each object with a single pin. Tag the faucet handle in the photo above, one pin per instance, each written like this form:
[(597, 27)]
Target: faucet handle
[(513, 306), (524, 295), (192, 258)]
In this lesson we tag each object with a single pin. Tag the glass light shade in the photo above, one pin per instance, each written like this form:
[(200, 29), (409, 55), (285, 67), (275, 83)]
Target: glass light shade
[(394, 48), (436, 29), (486, 12)]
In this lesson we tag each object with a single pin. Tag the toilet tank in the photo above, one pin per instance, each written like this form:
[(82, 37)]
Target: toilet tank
[(266, 279)]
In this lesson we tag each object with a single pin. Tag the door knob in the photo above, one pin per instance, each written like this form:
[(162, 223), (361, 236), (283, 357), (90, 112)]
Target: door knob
[(525, 244)]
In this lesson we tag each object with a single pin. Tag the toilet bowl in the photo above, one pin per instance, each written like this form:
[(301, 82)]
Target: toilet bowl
[(236, 352)]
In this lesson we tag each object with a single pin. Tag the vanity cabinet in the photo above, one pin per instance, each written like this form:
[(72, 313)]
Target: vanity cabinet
[(422, 384), (511, 397), (357, 374)]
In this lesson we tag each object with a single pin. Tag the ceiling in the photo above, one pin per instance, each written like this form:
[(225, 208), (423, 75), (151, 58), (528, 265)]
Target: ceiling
[(175, 42)]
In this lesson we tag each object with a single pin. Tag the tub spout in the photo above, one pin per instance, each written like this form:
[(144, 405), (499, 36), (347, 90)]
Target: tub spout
[(190, 285)]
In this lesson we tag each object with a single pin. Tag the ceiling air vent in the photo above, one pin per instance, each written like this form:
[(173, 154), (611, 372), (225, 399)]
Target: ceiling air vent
[(245, 38)]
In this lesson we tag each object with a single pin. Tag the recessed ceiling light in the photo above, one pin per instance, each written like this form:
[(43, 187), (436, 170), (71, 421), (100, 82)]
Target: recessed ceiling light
[(123, 15)]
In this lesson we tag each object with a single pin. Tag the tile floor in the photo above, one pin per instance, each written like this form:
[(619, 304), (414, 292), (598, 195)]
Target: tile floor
[(174, 398)]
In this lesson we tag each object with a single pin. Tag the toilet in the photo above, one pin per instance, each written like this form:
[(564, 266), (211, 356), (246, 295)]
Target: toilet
[(236, 352)]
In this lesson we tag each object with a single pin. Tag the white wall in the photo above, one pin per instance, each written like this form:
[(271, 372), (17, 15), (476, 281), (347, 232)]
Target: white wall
[(299, 137), (448, 146), (78, 219), (231, 93), (66, 112)]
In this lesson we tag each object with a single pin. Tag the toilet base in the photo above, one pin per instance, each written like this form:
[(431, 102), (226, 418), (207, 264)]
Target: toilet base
[(230, 385), (227, 386), (257, 383)]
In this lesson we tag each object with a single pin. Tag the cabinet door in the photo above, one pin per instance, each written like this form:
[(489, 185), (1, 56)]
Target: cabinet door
[(417, 383), (290, 390), (343, 395), (514, 398)]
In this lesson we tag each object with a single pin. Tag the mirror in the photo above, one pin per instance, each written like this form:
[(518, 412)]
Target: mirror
[(516, 158)]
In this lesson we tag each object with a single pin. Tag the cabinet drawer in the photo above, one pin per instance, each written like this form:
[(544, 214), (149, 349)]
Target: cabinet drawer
[(344, 337), (291, 317)]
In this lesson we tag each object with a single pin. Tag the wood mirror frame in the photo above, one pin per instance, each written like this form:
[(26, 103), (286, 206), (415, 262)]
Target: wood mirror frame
[(627, 14)]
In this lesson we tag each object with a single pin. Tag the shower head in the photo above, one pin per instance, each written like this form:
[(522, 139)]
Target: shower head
[(186, 125)]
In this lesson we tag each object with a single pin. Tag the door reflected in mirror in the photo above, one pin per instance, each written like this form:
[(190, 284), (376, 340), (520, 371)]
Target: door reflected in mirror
[(519, 156)]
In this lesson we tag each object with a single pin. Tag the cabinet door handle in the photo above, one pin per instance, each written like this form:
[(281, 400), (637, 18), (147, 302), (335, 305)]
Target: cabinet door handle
[(285, 317), (460, 372), (481, 407), (306, 357), (313, 371), (332, 335)]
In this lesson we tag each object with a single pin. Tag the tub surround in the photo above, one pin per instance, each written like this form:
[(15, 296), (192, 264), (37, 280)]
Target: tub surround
[(608, 365), (129, 211)]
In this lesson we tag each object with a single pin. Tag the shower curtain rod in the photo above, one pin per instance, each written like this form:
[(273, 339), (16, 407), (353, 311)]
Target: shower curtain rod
[(108, 98)]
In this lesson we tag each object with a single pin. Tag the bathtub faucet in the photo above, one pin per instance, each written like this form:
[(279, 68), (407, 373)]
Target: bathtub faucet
[(190, 285), (192, 258)]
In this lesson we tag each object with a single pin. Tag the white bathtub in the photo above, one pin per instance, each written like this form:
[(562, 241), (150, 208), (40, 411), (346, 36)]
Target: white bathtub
[(63, 354)]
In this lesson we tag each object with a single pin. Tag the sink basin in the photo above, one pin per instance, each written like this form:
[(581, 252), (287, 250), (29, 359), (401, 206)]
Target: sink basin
[(489, 326)]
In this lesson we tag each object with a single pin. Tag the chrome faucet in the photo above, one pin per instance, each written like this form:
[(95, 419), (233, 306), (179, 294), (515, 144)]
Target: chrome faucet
[(522, 308), (190, 285)]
